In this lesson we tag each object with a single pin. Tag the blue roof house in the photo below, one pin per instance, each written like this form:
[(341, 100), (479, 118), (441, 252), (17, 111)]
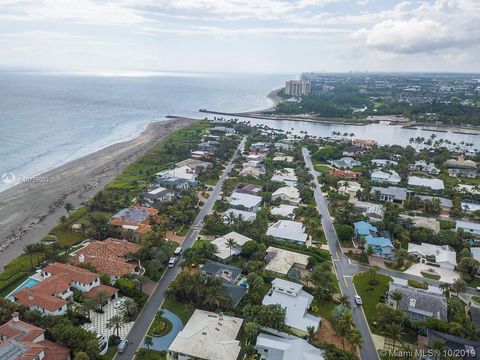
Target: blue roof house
[(381, 246)]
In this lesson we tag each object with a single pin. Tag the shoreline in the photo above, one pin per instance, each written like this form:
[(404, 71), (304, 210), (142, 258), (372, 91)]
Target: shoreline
[(28, 211)]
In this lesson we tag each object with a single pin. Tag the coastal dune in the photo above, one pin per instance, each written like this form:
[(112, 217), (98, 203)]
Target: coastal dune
[(29, 210)]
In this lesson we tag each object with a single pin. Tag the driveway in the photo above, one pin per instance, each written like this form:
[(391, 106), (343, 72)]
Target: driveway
[(446, 275), (99, 321), (162, 343)]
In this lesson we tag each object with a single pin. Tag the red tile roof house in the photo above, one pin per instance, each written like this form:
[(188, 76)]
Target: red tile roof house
[(110, 256), (135, 219), (347, 174), (22, 341), (52, 294)]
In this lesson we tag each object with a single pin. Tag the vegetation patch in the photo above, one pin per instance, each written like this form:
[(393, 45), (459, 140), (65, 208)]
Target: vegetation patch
[(430, 275), (160, 327), (417, 284), (182, 310)]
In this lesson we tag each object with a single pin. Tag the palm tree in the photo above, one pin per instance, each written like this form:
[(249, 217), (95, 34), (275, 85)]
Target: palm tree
[(141, 279), (459, 286), (130, 308), (344, 300), (394, 332), (355, 339), (373, 270), (311, 333), (69, 207), (30, 250), (231, 244), (396, 296), (115, 322), (148, 341), (89, 305), (101, 298)]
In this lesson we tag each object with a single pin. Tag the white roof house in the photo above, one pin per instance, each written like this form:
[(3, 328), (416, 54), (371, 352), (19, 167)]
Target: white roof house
[(384, 162), (351, 187), (467, 226), (183, 172), (223, 251), (287, 193), (284, 210), (288, 230), (391, 176), (475, 253), (286, 176), (295, 301), (208, 335), (423, 222), (245, 201), (245, 215), (271, 347), (445, 257), (283, 158), (470, 207), (281, 261), (434, 184)]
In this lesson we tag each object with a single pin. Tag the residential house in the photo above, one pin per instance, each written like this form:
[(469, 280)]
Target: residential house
[(234, 284), (364, 144), (423, 222), (422, 165), (207, 336), (442, 255), (246, 202), (288, 230), (418, 304), (380, 245), (345, 163), (253, 171), (222, 130), (391, 176), (445, 204), (199, 155), (283, 158), (256, 157), (135, 219), (475, 251), (381, 163), (346, 174), (462, 168), (109, 256), (289, 194), (287, 347), (230, 214), (374, 212), (434, 184), (280, 261), (251, 189), (284, 210), (20, 340), (194, 163), (389, 194), (183, 172), (158, 196), (468, 226), (52, 294), (469, 206), (174, 183), (470, 349), (349, 187), (295, 301), (286, 176), (473, 189), (223, 250), (209, 146), (260, 146), (282, 146), (353, 150)]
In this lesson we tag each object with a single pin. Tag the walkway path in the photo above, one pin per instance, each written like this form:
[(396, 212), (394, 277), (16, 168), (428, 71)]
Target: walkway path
[(162, 343)]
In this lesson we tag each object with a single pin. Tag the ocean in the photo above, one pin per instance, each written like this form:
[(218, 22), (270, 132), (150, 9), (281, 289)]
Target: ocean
[(47, 120)]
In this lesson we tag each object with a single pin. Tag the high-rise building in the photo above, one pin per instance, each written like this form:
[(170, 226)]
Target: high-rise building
[(297, 87)]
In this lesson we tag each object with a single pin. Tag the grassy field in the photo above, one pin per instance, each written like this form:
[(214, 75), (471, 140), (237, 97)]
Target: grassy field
[(144, 354), (324, 309), (321, 168), (183, 311), (16, 272), (370, 293)]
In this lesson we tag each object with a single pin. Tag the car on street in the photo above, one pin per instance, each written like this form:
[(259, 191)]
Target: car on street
[(122, 346), (172, 261), (358, 300)]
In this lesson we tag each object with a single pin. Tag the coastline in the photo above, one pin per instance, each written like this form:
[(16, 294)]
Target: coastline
[(28, 211)]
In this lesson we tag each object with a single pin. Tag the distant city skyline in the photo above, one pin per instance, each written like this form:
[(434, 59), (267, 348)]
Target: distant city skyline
[(271, 36)]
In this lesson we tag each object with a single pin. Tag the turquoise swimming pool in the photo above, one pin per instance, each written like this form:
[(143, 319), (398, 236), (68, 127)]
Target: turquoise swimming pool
[(26, 284)]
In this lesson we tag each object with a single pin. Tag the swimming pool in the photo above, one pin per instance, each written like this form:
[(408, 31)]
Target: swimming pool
[(30, 282)]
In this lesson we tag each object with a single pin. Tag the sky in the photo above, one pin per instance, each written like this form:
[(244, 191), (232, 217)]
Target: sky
[(265, 36)]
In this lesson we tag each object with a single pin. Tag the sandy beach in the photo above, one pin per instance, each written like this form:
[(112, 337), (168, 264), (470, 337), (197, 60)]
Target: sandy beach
[(29, 210)]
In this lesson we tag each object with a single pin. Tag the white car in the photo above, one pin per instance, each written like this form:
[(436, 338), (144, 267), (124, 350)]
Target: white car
[(358, 300), (118, 304)]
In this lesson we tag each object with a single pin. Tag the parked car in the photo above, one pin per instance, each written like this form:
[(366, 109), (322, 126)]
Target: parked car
[(358, 300), (122, 346), (178, 250), (172, 261)]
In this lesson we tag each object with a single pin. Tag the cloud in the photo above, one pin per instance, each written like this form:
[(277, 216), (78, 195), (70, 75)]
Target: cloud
[(426, 28)]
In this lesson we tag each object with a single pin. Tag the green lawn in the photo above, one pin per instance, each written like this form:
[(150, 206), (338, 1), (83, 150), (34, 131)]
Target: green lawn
[(160, 326), (16, 272), (430, 275), (112, 350), (183, 311), (321, 168), (324, 309), (371, 294), (144, 354), (476, 298)]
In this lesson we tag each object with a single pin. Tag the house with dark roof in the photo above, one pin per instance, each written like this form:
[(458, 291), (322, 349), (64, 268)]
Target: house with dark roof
[(234, 285), (470, 348), (157, 196), (418, 304), (389, 194), (20, 340)]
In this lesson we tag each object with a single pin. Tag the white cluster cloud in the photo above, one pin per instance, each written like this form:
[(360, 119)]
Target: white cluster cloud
[(444, 24)]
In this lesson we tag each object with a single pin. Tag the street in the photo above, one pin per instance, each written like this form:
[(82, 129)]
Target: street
[(145, 318), (344, 270)]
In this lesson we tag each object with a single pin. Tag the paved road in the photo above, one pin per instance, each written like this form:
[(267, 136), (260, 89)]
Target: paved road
[(141, 325), (344, 270)]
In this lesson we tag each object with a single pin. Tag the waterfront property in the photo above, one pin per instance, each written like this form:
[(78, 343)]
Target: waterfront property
[(183, 172), (207, 335), (462, 168), (295, 301), (134, 220), (157, 196), (418, 304), (423, 166)]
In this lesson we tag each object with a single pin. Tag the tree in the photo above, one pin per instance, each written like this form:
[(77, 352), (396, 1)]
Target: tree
[(115, 322), (344, 232), (469, 266), (311, 333), (140, 279), (458, 286), (148, 341), (130, 309), (30, 250), (81, 356), (344, 300), (69, 207), (231, 244), (394, 332), (355, 339), (396, 296), (101, 298), (373, 270), (251, 331)]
